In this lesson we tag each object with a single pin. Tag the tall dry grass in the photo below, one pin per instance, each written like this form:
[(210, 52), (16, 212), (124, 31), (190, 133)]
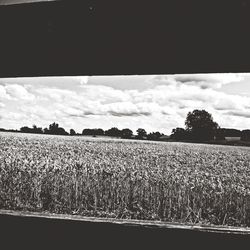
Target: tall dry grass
[(174, 182)]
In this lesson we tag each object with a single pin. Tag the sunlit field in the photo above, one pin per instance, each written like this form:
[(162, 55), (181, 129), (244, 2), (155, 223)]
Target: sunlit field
[(167, 181)]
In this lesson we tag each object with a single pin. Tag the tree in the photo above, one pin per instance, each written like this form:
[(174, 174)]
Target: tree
[(54, 129), (25, 129), (37, 130), (141, 133), (245, 135), (126, 133), (98, 131), (179, 134), (46, 131), (61, 131), (72, 132), (201, 125), (154, 136), (34, 130), (113, 132), (95, 131), (221, 133), (87, 131)]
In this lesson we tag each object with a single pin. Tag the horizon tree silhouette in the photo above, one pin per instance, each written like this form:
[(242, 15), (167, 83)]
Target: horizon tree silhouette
[(201, 126)]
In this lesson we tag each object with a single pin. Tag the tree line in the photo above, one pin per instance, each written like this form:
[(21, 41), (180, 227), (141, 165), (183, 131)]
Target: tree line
[(123, 133), (55, 129), (199, 127)]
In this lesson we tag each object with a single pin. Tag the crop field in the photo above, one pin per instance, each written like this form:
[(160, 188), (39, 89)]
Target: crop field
[(167, 181)]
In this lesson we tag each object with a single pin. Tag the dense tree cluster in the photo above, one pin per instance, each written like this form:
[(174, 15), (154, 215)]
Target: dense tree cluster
[(95, 131), (180, 134), (125, 133), (34, 130), (154, 136), (222, 133), (53, 129), (201, 127), (245, 135), (72, 132)]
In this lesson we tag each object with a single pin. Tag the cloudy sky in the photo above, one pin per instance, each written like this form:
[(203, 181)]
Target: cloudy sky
[(153, 102)]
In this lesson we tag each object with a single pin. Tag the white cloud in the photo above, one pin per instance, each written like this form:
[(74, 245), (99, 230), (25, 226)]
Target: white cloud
[(56, 94), (130, 109), (83, 79), (241, 113), (3, 93), (203, 81), (16, 91)]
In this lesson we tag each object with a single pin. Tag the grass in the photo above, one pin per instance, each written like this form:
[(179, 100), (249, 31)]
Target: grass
[(167, 181)]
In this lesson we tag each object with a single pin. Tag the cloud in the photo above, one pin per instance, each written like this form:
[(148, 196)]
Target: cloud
[(56, 94), (104, 94), (130, 109), (115, 109), (161, 106), (101, 101), (204, 81), (15, 91), (3, 93), (224, 101), (83, 79), (209, 78), (227, 104), (174, 101), (245, 114)]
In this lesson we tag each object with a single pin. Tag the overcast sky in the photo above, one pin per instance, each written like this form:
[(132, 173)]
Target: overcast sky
[(153, 102)]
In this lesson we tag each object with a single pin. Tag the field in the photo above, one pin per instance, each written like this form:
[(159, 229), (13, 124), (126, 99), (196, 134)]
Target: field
[(167, 181)]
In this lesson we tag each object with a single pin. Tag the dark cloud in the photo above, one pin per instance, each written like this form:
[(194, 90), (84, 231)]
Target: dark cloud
[(220, 108), (83, 114), (88, 113), (193, 78), (165, 113), (120, 114), (113, 113), (245, 114), (203, 81)]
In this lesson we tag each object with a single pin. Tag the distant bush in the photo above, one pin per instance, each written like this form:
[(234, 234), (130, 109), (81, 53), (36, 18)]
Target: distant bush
[(245, 135), (96, 131)]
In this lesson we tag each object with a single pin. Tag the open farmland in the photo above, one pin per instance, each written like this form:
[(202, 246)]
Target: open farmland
[(175, 182)]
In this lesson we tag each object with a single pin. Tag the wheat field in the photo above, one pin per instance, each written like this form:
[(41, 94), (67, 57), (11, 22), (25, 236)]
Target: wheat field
[(167, 181)]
